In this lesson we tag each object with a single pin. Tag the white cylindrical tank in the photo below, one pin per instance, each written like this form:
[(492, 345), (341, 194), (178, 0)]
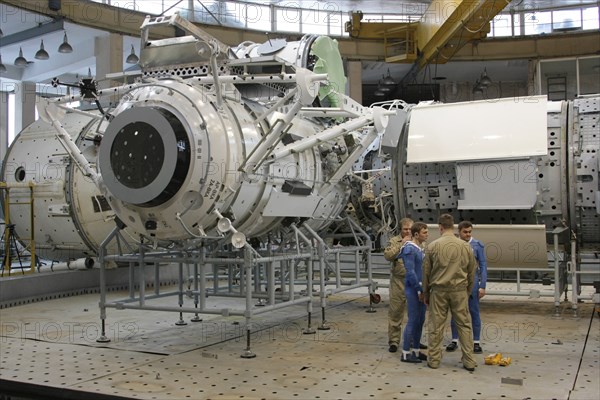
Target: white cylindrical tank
[(71, 216), (171, 163)]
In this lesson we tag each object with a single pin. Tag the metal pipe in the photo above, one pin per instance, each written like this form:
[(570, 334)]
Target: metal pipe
[(277, 306), (196, 286), (261, 259), (131, 275), (176, 309), (101, 253), (151, 297), (338, 270), (574, 282), (327, 134), (556, 272), (262, 295), (271, 282), (346, 288), (356, 266), (156, 278), (292, 270), (64, 138), (326, 112), (142, 276), (346, 166), (585, 272), (248, 263), (525, 293), (203, 278), (215, 75), (265, 147), (346, 249), (211, 260)]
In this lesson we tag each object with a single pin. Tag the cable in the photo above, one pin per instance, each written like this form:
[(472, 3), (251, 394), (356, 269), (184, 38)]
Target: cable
[(587, 336)]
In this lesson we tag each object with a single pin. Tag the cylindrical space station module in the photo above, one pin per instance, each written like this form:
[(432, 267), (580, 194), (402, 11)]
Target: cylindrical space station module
[(209, 142)]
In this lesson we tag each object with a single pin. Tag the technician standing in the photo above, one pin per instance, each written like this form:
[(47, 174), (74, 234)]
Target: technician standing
[(465, 232), (448, 279), (412, 255), (397, 276)]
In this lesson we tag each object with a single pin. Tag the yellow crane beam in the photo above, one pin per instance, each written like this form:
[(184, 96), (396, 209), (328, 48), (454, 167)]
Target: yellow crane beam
[(447, 25), (443, 29)]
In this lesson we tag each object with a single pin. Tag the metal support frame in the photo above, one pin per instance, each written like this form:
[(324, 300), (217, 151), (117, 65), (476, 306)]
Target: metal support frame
[(280, 278), (574, 271), (555, 233), (325, 252)]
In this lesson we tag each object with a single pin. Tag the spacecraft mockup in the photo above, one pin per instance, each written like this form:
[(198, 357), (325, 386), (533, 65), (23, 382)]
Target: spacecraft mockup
[(237, 144), (256, 137)]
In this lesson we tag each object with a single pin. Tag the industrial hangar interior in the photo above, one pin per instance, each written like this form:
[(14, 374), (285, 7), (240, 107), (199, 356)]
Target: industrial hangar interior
[(197, 195)]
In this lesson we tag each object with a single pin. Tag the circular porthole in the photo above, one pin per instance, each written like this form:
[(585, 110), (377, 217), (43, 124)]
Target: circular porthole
[(20, 174)]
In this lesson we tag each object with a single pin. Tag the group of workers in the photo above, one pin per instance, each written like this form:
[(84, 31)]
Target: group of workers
[(445, 276)]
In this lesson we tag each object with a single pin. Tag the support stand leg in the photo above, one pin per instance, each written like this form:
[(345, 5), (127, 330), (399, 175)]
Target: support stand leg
[(196, 317), (103, 338), (371, 309), (181, 322), (309, 330), (247, 352), (323, 327), (102, 251)]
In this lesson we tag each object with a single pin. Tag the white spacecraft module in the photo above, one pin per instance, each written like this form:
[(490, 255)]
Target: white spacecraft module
[(520, 169), (210, 140)]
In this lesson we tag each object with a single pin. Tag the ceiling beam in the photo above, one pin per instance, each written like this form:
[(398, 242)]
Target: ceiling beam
[(573, 44), (31, 33), (90, 14)]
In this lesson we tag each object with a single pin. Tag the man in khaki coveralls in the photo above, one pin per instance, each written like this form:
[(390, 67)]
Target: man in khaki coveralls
[(448, 279), (397, 276)]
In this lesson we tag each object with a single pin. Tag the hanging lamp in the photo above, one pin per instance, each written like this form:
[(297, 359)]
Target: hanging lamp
[(132, 58), (41, 54), (20, 61), (65, 47)]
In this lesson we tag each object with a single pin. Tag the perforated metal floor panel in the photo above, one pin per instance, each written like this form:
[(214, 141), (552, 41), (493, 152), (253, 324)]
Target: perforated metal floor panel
[(53, 343)]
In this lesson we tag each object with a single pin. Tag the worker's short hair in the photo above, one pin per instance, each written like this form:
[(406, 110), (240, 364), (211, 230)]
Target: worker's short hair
[(464, 224), (417, 227), (405, 221), (446, 221)]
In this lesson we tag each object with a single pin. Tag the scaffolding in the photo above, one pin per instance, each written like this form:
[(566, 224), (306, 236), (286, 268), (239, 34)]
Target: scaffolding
[(14, 246), (296, 271)]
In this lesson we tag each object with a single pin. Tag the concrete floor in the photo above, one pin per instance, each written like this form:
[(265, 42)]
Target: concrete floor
[(53, 344)]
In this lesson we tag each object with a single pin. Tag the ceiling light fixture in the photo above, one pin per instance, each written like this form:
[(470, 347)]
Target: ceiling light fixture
[(65, 47), (485, 79), (383, 87), (20, 61), (132, 58), (42, 54), (388, 80)]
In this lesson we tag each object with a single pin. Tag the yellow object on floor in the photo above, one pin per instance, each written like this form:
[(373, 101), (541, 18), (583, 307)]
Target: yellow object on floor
[(493, 359), (497, 359), (505, 361)]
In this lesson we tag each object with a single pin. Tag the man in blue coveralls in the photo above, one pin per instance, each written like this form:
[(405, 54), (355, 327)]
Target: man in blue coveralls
[(412, 256), (465, 232)]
